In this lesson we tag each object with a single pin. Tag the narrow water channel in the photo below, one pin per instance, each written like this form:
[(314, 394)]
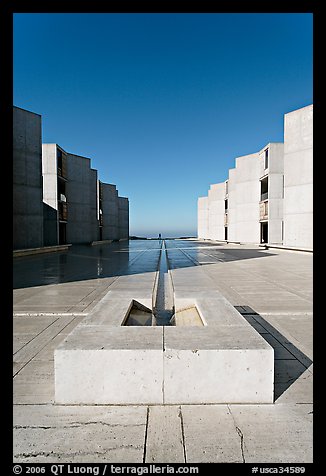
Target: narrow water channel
[(164, 306)]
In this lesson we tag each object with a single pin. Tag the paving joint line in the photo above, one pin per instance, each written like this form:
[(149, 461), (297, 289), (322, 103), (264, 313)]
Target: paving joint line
[(146, 432), (44, 345), (49, 314), (45, 328), (183, 434)]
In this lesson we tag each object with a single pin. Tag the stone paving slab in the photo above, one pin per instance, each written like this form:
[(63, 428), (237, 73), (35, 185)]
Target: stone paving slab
[(20, 340), (16, 366), (62, 434), (26, 325), (275, 433), (287, 372), (34, 383), (297, 328), (210, 435), (297, 390), (164, 435), (31, 349)]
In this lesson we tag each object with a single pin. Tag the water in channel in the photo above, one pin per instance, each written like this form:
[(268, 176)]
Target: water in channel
[(164, 306)]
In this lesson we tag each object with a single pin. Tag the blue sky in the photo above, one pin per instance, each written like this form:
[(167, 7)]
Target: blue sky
[(162, 103)]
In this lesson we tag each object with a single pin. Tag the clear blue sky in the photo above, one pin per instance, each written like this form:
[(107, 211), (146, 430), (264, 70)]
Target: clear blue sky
[(162, 103)]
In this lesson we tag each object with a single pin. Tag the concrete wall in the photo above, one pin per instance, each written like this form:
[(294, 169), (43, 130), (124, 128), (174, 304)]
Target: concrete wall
[(50, 175), (232, 212), (110, 208), (27, 180), (216, 196), (81, 188), (298, 178), (123, 218), (50, 194), (202, 210), (247, 198)]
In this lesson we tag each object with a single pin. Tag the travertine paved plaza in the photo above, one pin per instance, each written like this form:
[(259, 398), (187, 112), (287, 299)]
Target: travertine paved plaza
[(53, 293)]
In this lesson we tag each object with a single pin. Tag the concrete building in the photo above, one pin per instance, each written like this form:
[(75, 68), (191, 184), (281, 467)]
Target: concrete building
[(298, 178), (82, 224), (123, 218), (70, 197), (57, 197), (27, 180), (271, 193), (108, 210), (203, 217), (231, 210), (247, 194), (54, 168), (216, 210), (268, 195)]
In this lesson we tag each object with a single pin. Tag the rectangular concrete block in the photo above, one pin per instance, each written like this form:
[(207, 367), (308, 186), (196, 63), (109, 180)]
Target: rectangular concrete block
[(120, 365), (214, 365), (223, 361)]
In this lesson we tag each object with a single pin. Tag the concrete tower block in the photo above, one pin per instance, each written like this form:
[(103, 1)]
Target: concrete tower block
[(203, 217), (27, 180), (298, 178), (123, 218), (216, 209)]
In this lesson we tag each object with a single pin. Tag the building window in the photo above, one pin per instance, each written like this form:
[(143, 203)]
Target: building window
[(226, 205), (264, 189), (59, 157), (62, 191), (266, 159), (226, 188)]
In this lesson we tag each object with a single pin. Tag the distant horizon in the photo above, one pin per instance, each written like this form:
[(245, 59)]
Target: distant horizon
[(172, 234)]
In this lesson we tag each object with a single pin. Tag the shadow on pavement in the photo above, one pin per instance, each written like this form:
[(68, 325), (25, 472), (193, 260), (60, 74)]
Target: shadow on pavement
[(289, 361)]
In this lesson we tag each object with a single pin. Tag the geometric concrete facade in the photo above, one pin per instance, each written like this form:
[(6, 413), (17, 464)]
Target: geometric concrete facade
[(82, 225), (298, 178), (268, 195), (27, 180), (231, 211), (123, 203), (70, 197), (203, 218), (247, 198), (113, 213), (85, 209), (54, 169), (108, 211), (216, 210), (57, 197), (271, 193)]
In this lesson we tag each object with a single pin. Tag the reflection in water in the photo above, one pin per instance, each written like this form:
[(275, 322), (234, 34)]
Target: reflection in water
[(83, 262)]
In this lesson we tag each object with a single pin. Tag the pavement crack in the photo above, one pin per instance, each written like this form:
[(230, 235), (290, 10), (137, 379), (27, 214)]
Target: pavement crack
[(183, 434), (72, 454), (238, 430), (76, 425), (241, 442)]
